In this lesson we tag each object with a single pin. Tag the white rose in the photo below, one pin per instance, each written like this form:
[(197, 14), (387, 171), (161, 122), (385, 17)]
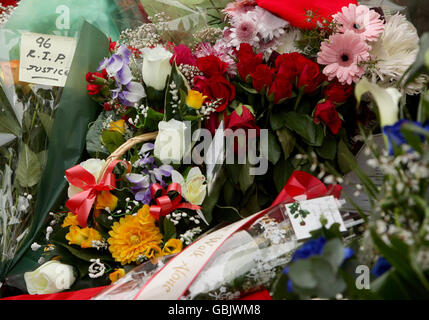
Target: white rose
[(51, 277), (170, 144), (193, 188), (156, 67), (93, 166)]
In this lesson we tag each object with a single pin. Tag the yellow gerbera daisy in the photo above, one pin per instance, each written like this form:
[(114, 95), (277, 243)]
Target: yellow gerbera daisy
[(135, 236)]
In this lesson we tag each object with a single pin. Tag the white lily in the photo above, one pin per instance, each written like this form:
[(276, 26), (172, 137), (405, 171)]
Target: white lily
[(387, 100)]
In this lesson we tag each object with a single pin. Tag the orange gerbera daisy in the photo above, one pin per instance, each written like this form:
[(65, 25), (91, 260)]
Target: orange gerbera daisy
[(135, 236)]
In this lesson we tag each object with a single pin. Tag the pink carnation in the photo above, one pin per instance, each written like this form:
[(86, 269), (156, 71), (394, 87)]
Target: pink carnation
[(361, 20), (342, 55)]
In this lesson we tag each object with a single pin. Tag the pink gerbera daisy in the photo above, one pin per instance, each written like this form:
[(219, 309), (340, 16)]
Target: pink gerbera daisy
[(342, 55), (361, 20)]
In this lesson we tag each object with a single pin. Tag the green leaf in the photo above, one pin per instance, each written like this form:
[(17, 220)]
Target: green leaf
[(152, 119), (282, 171), (94, 144), (112, 140), (328, 150), (278, 119), (304, 126), (47, 122), (301, 274), (287, 141), (423, 111), (333, 252), (245, 179), (274, 151), (169, 230), (29, 168), (8, 121), (86, 254)]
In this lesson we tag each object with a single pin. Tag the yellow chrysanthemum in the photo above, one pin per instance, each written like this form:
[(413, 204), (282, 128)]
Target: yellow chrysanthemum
[(70, 220), (195, 99), (116, 275), (83, 237), (172, 246), (135, 236)]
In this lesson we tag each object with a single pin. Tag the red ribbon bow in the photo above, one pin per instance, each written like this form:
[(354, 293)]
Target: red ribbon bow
[(164, 203), (81, 204), (302, 183)]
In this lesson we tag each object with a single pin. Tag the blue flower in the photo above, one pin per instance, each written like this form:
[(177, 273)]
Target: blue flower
[(309, 249), (381, 266), (395, 136)]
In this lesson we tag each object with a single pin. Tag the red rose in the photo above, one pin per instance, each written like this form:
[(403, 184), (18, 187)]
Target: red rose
[(183, 55), (295, 11), (281, 89), (289, 65), (216, 87), (262, 77), (327, 113), (211, 66), (93, 89), (247, 60), (310, 76), (241, 118), (337, 92)]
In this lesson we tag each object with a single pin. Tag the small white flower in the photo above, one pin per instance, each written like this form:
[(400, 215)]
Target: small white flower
[(35, 246)]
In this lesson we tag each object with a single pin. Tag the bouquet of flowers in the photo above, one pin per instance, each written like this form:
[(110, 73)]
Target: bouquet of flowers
[(273, 83)]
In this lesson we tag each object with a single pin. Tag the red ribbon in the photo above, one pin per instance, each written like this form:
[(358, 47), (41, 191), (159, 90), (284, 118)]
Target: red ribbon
[(300, 183), (81, 204), (168, 200)]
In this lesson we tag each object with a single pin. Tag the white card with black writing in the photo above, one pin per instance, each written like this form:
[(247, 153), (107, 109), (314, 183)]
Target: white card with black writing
[(46, 59), (305, 215)]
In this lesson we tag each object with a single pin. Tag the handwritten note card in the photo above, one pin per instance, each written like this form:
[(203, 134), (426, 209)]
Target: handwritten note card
[(312, 211), (46, 59)]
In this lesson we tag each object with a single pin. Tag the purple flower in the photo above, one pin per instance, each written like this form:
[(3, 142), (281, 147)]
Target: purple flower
[(117, 66)]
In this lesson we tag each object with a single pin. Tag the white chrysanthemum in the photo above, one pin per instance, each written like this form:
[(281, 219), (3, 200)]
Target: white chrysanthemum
[(394, 52), (286, 43)]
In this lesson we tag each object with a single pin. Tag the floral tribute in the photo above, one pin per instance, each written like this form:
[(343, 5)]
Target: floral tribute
[(281, 77)]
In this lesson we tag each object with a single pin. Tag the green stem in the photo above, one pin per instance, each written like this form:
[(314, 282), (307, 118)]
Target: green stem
[(299, 98)]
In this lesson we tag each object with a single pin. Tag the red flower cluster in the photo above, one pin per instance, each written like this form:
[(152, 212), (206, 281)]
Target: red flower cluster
[(327, 113), (214, 84), (91, 77), (248, 61), (290, 69), (338, 93), (241, 118)]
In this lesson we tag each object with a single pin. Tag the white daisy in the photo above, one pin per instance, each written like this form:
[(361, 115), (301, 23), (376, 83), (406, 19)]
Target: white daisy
[(394, 52)]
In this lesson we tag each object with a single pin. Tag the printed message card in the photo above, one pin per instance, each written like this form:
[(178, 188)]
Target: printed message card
[(306, 215)]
